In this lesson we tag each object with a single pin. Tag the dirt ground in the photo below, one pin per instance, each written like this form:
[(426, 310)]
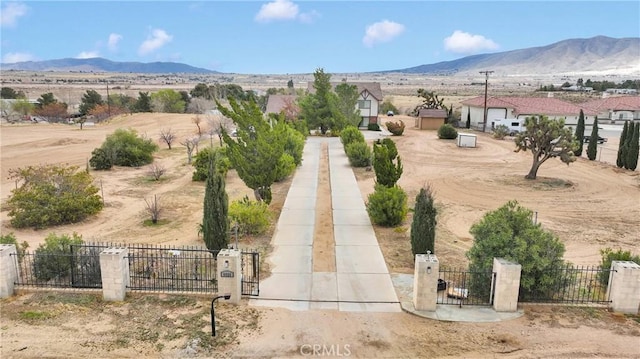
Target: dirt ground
[(589, 205)]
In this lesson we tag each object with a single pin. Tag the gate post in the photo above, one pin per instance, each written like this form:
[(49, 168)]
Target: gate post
[(506, 285), (425, 282), (229, 263), (114, 267), (624, 287), (8, 270)]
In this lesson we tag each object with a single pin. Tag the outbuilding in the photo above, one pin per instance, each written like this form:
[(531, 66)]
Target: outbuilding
[(430, 119)]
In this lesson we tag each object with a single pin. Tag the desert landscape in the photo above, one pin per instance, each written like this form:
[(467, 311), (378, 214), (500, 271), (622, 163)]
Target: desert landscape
[(589, 205)]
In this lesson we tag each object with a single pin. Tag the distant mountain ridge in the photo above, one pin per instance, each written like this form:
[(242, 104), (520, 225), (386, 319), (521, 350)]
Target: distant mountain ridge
[(98, 64), (598, 55)]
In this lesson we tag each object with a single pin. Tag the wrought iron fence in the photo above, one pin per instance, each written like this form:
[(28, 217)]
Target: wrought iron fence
[(250, 273), (463, 287), (566, 284)]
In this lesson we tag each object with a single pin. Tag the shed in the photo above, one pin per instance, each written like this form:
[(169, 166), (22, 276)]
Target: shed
[(430, 119), (467, 140)]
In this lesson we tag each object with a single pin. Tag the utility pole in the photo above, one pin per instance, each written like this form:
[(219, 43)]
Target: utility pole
[(109, 102), (486, 85)]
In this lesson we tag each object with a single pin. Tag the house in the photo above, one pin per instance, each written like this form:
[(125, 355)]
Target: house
[(620, 108), (522, 107), (430, 119), (278, 103), (369, 100)]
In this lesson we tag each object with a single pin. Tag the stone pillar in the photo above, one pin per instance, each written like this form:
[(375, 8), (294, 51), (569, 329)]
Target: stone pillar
[(9, 272), (624, 287), (229, 262), (425, 282), (506, 284), (114, 266)]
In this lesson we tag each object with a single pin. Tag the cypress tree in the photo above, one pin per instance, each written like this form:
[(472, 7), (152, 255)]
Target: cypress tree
[(621, 159), (469, 119), (592, 149), (634, 149), (215, 225), (627, 145), (580, 134), (387, 172), (423, 226)]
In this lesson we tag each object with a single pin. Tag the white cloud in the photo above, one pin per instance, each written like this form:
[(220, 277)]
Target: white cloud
[(156, 40), (88, 55), (309, 17), (11, 12), (277, 10), (14, 57), (114, 39), (382, 31), (465, 43)]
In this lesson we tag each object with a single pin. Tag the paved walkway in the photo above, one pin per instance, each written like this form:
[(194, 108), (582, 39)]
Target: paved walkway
[(361, 281)]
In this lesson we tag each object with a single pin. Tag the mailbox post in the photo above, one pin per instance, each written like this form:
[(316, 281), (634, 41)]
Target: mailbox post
[(213, 313), (229, 266)]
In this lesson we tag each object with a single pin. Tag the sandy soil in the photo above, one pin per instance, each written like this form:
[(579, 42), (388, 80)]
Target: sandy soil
[(589, 205)]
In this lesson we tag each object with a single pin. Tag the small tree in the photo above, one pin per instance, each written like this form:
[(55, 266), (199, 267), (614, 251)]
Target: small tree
[(545, 138), (621, 159), (580, 135), (215, 222), (196, 121), (387, 206), (633, 151), (510, 233), (167, 136), (52, 195), (190, 144), (423, 226), (154, 208), (359, 154), (592, 149), (124, 148), (384, 154), (350, 135), (156, 171), (54, 258)]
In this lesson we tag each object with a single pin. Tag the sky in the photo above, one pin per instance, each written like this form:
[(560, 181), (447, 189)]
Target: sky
[(292, 36)]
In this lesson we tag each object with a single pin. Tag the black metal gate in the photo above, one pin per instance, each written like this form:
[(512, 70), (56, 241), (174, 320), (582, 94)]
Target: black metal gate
[(85, 266), (463, 287), (250, 273)]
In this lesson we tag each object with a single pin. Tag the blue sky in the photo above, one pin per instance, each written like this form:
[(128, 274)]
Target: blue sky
[(288, 36)]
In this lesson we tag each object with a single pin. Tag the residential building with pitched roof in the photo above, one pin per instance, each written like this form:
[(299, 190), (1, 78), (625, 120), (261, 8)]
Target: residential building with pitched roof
[(499, 108), (369, 100), (619, 108)]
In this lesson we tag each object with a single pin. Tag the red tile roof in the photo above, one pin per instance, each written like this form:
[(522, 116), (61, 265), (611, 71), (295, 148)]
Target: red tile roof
[(618, 103), (531, 105)]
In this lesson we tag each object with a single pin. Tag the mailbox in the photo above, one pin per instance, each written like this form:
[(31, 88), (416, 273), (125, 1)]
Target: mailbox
[(226, 274)]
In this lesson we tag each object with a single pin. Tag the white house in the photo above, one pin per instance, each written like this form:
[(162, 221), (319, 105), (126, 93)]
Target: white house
[(620, 108), (369, 100), (522, 107)]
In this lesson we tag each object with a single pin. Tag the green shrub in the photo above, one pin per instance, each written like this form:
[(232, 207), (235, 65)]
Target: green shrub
[(100, 160), (373, 127), (387, 206), (10, 238), (387, 106), (500, 132), (396, 128), (294, 144), (252, 217), (447, 132), (52, 195), (203, 160), (125, 148), (386, 162), (286, 166), (350, 135), (359, 154), (608, 256), (53, 258)]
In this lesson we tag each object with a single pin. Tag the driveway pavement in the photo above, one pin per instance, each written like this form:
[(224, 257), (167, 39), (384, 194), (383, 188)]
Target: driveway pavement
[(361, 281)]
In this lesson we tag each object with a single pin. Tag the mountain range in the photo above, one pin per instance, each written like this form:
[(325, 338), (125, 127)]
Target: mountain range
[(599, 55)]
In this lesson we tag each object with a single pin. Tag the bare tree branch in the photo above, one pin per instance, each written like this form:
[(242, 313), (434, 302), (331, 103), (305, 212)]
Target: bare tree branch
[(190, 143), (167, 136), (154, 208), (156, 171)]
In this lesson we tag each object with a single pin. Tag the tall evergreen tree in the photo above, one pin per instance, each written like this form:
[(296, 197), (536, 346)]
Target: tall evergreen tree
[(469, 119), (627, 144), (423, 226), (592, 149), (387, 172), (215, 224), (621, 158), (634, 149), (580, 134)]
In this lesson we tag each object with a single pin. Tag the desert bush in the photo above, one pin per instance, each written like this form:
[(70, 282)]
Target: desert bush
[(52, 195), (252, 217), (350, 135), (126, 148), (100, 159), (373, 127), (387, 206), (447, 132), (500, 132), (359, 154), (396, 128), (203, 160), (54, 258), (608, 256), (10, 238)]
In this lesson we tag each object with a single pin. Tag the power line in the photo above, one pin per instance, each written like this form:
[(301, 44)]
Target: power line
[(486, 85)]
